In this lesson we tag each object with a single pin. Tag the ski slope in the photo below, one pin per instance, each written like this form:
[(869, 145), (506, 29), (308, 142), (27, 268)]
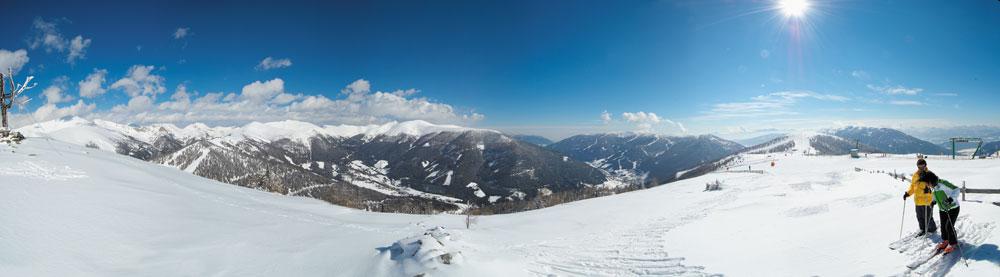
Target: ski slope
[(67, 210)]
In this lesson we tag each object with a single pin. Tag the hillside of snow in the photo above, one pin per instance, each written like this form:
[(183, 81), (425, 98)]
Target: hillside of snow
[(338, 164), (68, 210)]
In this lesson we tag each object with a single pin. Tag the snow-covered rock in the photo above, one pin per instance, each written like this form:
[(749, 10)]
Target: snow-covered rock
[(422, 254)]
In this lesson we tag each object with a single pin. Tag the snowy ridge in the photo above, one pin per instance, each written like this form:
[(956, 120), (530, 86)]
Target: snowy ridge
[(800, 143), (77, 131), (81, 131), (803, 142)]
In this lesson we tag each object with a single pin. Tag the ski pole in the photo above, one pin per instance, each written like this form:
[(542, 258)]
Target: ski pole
[(902, 219), (957, 243)]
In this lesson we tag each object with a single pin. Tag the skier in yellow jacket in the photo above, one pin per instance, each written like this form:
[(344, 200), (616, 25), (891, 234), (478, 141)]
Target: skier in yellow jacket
[(923, 199)]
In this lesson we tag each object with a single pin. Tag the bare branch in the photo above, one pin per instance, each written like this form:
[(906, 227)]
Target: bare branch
[(24, 86)]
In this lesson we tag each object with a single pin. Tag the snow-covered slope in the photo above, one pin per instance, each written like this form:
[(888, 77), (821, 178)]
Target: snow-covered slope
[(419, 160), (889, 140), (68, 210)]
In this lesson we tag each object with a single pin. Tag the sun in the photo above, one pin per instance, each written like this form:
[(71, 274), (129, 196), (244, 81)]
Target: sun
[(793, 8)]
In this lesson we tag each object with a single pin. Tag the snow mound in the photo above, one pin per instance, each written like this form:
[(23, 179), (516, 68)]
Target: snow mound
[(422, 254)]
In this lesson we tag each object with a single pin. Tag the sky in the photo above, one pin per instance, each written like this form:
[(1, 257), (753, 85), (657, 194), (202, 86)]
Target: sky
[(550, 68)]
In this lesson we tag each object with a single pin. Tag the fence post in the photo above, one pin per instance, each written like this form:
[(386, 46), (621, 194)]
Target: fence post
[(963, 190)]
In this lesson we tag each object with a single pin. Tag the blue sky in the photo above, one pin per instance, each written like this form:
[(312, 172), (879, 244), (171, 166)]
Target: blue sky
[(555, 68)]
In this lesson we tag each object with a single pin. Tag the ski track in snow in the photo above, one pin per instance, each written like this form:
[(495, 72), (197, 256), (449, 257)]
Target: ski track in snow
[(41, 170), (309, 219), (637, 250), (970, 234)]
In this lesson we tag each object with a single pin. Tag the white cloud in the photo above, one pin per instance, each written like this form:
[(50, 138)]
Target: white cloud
[(77, 49), (895, 90), (643, 121), (51, 111), (860, 75), (46, 35), (260, 92), (272, 63), (13, 60), (357, 89), (641, 117), (56, 93), (605, 117), (140, 80), (405, 92), (906, 103), (180, 100), (285, 98), (140, 103), (268, 101), (678, 125), (182, 32), (92, 86), (772, 104)]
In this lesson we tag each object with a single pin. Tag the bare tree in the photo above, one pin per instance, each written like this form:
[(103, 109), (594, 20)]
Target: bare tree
[(9, 97)]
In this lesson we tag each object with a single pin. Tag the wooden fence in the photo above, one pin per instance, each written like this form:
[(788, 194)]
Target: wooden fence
[(903, 177)]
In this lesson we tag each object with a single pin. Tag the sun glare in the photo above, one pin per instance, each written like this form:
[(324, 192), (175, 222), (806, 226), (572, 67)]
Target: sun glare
[(793, 8)]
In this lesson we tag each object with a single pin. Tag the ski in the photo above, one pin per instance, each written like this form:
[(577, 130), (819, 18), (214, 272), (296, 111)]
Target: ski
[(905, 243), (922, 260)]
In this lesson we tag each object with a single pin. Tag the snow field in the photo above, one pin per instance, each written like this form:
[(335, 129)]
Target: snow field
[(70, 210)]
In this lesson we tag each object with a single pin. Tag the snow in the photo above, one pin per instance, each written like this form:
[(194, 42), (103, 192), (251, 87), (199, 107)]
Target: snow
[(410, 128), (476, 190), (447, 178), (802, 142), (194, 165), (106, 134), (68, 211), (375, 178), (416, 255), (77, 131)]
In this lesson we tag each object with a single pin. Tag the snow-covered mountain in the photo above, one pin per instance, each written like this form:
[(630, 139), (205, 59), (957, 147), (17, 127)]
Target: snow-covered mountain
[(537, 140), (409, 166), (808, 143), (796, 144), (68, 210), (759, 139), (888, 140), (646, 158), (990, 148), (941, 135)]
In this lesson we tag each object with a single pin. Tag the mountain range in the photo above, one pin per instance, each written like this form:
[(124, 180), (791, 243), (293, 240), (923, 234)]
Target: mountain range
[(419, 167), (645, 158), (409, 166)]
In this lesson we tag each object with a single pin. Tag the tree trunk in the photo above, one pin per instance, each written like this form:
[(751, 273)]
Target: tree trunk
[(3, 110)]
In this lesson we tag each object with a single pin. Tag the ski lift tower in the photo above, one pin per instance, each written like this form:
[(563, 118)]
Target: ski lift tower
[(855, 153), (979, 145)]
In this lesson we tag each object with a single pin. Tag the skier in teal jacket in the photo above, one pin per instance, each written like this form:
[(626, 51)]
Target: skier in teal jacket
[(946, 196)]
